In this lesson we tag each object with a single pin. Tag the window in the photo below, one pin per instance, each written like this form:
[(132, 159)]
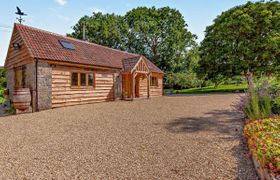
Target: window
[(83, 81), (74, 79), (67, 45), (154, 81), (91, 79)]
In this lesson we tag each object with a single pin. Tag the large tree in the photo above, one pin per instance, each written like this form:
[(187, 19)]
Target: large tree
[(243, 39), (159, 34), (105, 29)]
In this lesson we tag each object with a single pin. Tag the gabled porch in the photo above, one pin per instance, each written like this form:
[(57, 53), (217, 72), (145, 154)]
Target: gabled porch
[(135, 79)]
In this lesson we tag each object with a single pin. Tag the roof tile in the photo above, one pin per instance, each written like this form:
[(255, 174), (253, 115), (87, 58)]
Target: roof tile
[(45, 45)]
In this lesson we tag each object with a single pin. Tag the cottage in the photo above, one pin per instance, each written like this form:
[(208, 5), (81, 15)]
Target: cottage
[(62, 71)]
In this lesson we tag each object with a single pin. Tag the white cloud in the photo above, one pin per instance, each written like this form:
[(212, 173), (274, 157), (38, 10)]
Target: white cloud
[(61, 2)]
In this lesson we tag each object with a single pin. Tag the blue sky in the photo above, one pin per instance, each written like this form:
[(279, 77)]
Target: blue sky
[(59, 15)]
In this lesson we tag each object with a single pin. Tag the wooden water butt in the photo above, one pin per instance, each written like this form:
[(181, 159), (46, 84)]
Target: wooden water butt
[(22, 98)]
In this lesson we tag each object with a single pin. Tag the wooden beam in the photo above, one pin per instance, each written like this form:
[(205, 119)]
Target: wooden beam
[(53, 62), (133, 86), (148, 86)]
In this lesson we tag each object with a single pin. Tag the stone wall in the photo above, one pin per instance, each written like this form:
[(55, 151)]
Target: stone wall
[(44, 86), (10, 76), (31, 83)]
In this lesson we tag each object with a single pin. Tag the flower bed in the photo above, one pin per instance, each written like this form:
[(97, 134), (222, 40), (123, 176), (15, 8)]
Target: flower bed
[(264, 143)]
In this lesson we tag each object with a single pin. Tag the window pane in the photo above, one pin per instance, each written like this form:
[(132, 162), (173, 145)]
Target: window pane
[(74, 79), (67, 45), (83, 79), (90, 79), (154, 81)]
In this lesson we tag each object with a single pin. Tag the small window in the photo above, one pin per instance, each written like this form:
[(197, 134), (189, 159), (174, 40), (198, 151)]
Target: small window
[(91, 79), (83, 81), (74, 79), (67, 45), (154, 81)]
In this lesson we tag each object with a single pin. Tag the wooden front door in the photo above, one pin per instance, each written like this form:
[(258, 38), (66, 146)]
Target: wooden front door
[(137, 80)]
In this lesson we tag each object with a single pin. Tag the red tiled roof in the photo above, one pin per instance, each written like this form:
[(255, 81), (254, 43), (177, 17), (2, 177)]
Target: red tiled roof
[(45, 45), (130, 63)]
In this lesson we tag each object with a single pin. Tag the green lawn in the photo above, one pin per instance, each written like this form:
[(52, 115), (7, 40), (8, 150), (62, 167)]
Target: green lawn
[(211, 89)]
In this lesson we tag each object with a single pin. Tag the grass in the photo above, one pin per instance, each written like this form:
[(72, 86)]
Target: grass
[(211, 89)]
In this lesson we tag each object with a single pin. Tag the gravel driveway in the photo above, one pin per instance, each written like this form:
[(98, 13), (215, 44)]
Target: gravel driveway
[(183, 137)]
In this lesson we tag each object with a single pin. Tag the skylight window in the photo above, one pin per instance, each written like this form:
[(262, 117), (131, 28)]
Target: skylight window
[(67, 45)]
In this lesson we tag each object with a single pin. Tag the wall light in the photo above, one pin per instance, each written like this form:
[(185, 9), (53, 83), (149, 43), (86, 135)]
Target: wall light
[(16, 46)]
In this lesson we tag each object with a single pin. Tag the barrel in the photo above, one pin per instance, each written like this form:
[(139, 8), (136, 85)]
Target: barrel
[(22, 98)]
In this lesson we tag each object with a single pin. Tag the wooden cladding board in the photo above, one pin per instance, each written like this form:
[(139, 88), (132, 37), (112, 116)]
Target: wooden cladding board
[(126, 85), (17, 57), (143, 86), (142, 67), (65, 95), (157, 90)]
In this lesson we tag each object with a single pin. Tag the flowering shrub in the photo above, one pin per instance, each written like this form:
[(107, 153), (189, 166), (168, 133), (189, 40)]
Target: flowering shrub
[(261, 100), (264, 142)]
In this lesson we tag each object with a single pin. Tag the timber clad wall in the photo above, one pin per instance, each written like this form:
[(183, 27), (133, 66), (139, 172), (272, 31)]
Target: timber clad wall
[(143, 86), (65, 95), (157, 90), (17, 57), (126, 85)]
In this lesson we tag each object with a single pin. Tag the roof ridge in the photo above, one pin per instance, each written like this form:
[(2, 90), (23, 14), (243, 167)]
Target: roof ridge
[(139, 56), (75, 39)]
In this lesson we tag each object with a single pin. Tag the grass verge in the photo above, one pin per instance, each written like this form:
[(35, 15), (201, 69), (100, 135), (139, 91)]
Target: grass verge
[(211, 89)]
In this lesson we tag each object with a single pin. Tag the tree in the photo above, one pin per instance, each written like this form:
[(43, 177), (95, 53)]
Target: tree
[(3, 81), (161, 35), (105, 29), (243, 39), (187, 78)]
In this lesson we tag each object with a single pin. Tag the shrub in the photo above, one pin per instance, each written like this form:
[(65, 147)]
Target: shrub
[(11, 109), (2, 96), (276, 105), (260, 101), (182, 80)]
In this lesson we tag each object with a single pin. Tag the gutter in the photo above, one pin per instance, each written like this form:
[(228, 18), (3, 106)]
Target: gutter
[(36, 85)]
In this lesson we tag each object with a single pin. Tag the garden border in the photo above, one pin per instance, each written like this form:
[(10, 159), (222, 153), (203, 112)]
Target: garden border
[(263, 173)]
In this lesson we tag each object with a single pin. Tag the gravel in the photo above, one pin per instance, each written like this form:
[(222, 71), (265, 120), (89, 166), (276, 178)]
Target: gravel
[(172, 137)]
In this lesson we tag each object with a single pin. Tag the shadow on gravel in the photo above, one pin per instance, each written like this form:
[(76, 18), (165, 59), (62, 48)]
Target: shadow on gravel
[(245, 167), (229, 125), (220, 121)]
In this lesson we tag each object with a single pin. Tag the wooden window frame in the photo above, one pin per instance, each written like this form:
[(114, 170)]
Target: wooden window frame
[(79, 80), (93, 80), (151, 81)]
